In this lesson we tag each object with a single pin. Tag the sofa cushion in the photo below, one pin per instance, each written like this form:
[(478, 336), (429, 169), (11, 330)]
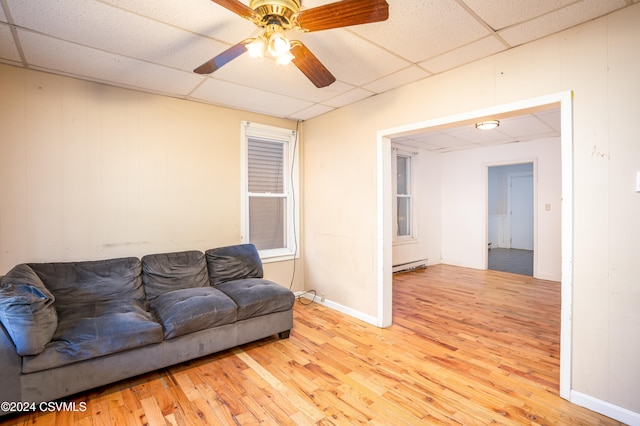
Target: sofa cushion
[(256, 297), (91, 330), (165, 272), (233, 263), (90, 282), (27, 310), (192, 309)]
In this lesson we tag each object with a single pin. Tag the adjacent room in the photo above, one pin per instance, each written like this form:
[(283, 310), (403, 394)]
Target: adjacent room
[(303, 215)]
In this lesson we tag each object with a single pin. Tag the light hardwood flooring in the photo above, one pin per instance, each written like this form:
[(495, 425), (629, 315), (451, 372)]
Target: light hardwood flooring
[(467, 347)]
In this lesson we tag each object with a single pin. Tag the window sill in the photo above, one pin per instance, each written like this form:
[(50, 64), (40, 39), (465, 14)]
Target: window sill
[(278, 257)]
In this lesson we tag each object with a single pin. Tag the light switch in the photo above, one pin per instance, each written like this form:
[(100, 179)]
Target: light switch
[(547, 207)]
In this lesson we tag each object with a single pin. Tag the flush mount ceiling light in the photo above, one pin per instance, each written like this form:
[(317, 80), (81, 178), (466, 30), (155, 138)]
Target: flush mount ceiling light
[(487, 125)]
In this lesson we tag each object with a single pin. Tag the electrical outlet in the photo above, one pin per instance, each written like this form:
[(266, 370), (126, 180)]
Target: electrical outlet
[(322, 298)]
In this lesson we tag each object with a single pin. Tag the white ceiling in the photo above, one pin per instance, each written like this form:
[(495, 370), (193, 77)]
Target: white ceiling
[(521, 128), (153, 46)]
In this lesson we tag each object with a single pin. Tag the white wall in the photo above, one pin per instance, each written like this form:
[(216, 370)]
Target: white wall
[(600, 62), (89, 171), (427, 190), (465, 203)]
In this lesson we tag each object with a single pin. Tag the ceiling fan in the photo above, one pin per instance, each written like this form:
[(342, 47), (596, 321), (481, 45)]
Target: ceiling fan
[(275, 17)]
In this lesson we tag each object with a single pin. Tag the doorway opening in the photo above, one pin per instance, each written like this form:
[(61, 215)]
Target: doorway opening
[(561, 101), (511, 218)]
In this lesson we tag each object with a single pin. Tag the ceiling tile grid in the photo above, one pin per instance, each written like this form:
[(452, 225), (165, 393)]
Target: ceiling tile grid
[(558, 20), (522, 128), (154, 46), (8, 48), (419, 30), (478, 49)]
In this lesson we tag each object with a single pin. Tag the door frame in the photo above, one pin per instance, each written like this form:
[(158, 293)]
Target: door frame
[(534, 174), (384, 237)]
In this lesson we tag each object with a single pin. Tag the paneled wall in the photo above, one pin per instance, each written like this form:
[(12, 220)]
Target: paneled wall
[(89, 171), (600, 62)]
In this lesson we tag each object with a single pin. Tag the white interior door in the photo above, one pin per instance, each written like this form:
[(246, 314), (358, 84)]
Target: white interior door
[(521, 211)]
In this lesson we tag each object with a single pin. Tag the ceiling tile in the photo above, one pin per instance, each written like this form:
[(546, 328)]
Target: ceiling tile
[(201, 16), (348, 98), (463, 55), (502, 14), (111, 29), (419, 30), (473, 135), (397, 79), (68, 58), (351, 59), (551, 118), (524, 127), (247, 98), (8, 49), (559, 20), (440, 140), (285, 80), (311, 112)]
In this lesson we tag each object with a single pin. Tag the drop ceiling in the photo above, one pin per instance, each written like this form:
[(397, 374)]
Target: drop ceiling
[(153, 46), (512, 129)]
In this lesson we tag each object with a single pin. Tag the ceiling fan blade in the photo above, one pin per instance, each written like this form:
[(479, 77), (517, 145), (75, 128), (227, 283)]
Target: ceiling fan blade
[(236, 7), (224, 58), (310, 65), (343, 14)]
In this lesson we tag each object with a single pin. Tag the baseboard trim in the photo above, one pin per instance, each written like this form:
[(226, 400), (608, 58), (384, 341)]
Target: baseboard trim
[(340, 308), (610, 410)]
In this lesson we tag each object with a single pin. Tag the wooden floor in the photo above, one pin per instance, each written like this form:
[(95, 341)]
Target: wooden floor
[(467, 347)]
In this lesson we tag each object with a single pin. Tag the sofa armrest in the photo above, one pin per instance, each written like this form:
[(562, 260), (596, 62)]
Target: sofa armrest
[(27, 310), (10, 371)]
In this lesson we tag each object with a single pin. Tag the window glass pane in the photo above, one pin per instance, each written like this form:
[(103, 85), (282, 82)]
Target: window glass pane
[(265, 166), (267, 222), (404, 204), (403, 174)]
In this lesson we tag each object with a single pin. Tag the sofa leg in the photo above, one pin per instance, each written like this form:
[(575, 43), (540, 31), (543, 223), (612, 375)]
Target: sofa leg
[(284, 334)]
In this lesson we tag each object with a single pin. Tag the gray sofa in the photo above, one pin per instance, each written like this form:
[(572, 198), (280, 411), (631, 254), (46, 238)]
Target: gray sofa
[(69, 327)]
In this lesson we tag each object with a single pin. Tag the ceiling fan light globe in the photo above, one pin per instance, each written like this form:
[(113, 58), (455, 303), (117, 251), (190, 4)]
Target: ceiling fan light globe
[(285, 59), (256, 48), (278, 45)]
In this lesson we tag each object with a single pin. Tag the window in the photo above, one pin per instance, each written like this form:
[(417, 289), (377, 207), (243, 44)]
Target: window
[(269, 177), (404, 200)]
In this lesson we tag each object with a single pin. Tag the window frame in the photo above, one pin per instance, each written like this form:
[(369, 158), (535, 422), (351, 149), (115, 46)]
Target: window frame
[(288, 138), (412, 235)]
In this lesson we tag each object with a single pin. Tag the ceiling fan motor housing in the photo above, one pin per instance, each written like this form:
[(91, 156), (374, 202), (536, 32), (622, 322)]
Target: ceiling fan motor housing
[(285, 9)]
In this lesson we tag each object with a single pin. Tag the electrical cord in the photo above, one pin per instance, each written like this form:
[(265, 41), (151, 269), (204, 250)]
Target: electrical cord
[(300, 297), (293, 198)]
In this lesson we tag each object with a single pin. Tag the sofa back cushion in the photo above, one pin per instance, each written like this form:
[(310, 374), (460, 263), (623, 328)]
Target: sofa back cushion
[(233, 263), (27, 310), (165, 272), (92, 282)]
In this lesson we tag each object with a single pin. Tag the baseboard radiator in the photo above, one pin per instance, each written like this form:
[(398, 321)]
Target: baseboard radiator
[(410, 266)]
